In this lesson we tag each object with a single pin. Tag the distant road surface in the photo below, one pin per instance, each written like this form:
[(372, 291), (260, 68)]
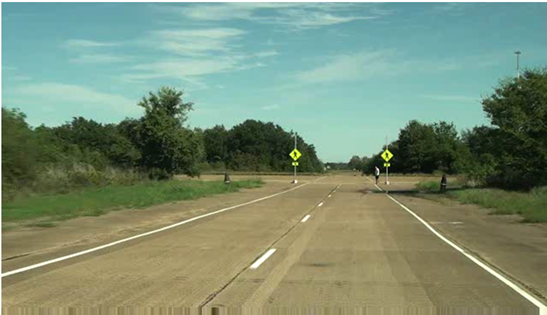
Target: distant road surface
[(336, 242)]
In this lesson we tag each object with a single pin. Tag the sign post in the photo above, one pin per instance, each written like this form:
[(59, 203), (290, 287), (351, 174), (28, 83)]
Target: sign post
[(387, 155), (295, 155)]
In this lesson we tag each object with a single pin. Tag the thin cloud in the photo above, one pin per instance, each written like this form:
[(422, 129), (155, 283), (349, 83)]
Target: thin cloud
[(196, 42), (267, 53), (84, 43), (270, 107), (99, 58), (292, 16), (451, 98), (347, 67), (189, 70), (72, 94)]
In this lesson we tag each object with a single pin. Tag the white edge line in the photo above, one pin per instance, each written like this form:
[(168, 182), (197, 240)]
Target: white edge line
[(320, 204), (533, 300), (306, 218), (262, 259), (320, 178), (9, 273)]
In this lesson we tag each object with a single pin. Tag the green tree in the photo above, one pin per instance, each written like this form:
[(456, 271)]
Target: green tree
[(416, 147), (166, 146), (355, 163), (19, 152), (216, 144), (518, 110)]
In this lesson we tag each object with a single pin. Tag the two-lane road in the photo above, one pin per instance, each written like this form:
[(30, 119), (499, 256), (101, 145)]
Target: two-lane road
[(335, 242)]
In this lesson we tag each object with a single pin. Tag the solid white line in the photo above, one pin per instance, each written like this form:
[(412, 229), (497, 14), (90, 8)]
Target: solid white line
[(9, 273), (260, 260), (533, 300), (320, 178), (320, 204), (306, 218)]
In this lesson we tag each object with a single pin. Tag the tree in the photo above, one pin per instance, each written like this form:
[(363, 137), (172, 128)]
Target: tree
[(19, 152), (166, 146), (518, 110), (216, 144), (355, 163), (416, 147)]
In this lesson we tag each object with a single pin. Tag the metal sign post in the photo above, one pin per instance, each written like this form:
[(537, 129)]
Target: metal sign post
[(387, 155), (295, 160), (295, 155)]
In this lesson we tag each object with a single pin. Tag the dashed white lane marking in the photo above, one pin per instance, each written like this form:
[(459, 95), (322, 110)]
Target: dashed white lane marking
[(9, 273), (320, 204), (533, 300), (329, 196), (306, 218), (262, 259)]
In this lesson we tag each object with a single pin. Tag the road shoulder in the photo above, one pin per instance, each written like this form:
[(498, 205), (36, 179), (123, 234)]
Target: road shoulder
[(517, 250)]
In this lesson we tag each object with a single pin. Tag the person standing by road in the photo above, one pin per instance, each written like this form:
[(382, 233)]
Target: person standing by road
[(376, 173)]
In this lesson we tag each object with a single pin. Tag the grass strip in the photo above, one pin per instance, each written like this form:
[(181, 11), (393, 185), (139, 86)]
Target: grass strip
[(96, 202)]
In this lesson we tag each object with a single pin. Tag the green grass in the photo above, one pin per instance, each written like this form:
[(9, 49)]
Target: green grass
[(435, 185), (532, 206), (95, 202), (429, 186)]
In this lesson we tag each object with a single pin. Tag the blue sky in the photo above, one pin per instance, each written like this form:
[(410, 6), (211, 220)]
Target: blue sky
[(344, 75)]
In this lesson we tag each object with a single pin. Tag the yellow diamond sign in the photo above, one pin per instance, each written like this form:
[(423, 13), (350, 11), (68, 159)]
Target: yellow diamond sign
[(295, 154), (386, 155)]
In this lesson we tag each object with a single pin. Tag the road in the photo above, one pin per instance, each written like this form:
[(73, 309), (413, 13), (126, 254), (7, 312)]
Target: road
[(356, 247)]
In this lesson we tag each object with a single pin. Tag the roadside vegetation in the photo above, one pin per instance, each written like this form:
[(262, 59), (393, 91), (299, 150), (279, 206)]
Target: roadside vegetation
[(504, 164), (83, 153), (510, 153), (531, 205), (44, 209), (84, 167)]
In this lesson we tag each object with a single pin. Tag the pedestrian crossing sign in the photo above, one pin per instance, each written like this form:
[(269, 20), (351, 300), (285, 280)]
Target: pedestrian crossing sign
[(295, 154), (386, 155)]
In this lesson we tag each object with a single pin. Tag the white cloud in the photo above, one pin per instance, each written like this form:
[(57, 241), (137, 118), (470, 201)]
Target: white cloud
[(196, 42), (270, 107), (292, 16), (99, 58), (351, 67), (84, 43), (181, 69), (451, 98), (199, 52), (75, 95), (267, 53), (298, 19)]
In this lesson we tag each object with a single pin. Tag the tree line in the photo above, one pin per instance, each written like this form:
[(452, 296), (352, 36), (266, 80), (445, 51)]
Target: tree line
[(157, 145), (511, 152)]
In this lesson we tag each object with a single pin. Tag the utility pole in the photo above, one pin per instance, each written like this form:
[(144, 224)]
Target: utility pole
[(387, 167), (518, 64)]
